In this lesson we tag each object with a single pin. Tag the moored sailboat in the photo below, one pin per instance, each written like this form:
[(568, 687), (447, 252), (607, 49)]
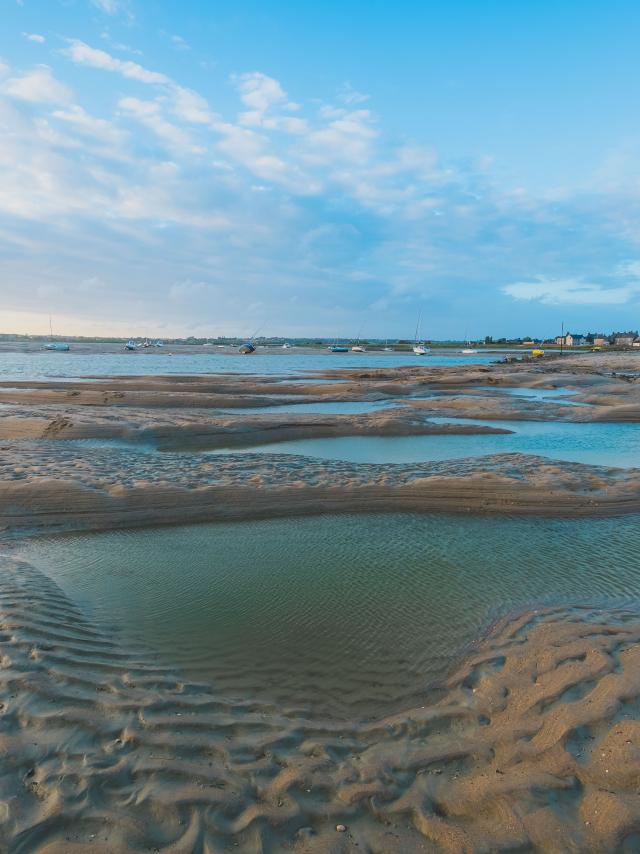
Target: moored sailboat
[(58, 346), (420, 348)]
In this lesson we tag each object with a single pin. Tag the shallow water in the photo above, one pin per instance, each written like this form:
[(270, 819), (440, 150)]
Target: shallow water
[(596, 443), (38, 366), (561, 396), (336, 407), (347, 615)]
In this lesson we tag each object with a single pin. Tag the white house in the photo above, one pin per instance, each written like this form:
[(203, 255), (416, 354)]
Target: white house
[(570, 340)]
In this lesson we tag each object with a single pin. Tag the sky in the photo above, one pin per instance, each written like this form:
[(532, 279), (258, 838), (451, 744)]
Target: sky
[(335, 168)]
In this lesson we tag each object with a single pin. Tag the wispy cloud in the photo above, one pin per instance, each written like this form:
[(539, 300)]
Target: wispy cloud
[(111, 7), (273, 192), (34, 37), (37, 86), (83, 54), (572, 292)]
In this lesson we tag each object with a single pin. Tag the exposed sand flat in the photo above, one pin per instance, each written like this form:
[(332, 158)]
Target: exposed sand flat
[(533, 744), (77, 487), (92, 488), (466, 391), (189, 430)]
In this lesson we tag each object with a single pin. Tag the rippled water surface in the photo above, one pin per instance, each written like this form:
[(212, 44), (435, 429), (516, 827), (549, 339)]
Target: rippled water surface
[(47, 365), (351, 615)]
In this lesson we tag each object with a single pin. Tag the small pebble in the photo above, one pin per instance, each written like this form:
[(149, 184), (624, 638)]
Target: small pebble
[(341, 828)]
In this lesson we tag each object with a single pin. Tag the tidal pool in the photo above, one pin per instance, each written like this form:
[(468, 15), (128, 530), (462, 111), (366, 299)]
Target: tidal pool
[(596, 443), (335, 407), (561, 396), (340, 615)]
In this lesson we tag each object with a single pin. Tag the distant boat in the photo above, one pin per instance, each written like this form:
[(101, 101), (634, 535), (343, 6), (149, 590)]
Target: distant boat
[(468, 350), (286, 346), (336, 348), (247, 348), (57, 346), (131, 345), (420, 348), (387, 349), (357, 347), (537, 352)]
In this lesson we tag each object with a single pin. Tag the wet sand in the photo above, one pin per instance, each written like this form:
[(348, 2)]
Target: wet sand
[(51, 482), (532, 744)]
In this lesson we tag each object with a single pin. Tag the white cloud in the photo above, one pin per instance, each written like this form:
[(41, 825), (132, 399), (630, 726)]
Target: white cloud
[(190, 106), (149, 114), (571, 292), (266, 99), (34, 37), (347, 136), (105, 35), (37, 86), (179, 43), (111, 7), (258, 90), (349, 95), (83, 122), (83, 54)]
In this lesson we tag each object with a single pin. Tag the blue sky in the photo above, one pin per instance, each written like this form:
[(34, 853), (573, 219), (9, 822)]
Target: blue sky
[(211, 168)]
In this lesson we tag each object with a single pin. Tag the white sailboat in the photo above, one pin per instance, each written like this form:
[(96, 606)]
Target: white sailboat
[(468, 350), (420, 348)]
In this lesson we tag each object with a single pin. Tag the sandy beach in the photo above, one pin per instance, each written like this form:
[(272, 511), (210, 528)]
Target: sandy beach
[(50, 481), (531, 743), (107, 751)]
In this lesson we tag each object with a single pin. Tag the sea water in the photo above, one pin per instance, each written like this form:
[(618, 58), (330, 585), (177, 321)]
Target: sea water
[(346, 615)]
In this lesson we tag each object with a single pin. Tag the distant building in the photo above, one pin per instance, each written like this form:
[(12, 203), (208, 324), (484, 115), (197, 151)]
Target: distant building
[(636, 343), (570, 340), (600, 342), (625, 340)]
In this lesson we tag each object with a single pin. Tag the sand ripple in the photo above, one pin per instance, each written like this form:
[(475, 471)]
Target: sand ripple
[(534, 745)]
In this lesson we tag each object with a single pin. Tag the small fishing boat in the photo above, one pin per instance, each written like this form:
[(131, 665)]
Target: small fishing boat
[(131, 345), (336, 348), (286, 346), (358, 348), (536, 352), (247, 348)]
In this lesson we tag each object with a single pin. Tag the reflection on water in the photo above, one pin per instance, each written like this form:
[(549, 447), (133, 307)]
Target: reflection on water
[(595, 443), (347, 615)]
